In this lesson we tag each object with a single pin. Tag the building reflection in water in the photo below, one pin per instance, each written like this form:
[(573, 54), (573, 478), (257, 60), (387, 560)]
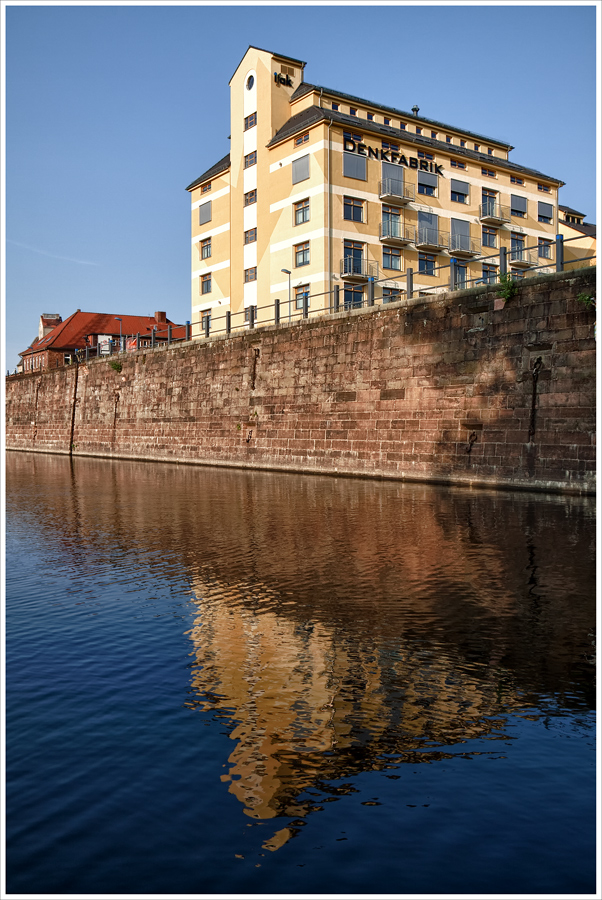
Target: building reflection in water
[(341, 625)]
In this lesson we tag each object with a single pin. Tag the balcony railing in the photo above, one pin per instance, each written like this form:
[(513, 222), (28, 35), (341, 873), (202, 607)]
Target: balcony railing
[(394, 232), (358, 269), (432, 238), (464, 245), (396, 191), (494, 213), (522, 259)]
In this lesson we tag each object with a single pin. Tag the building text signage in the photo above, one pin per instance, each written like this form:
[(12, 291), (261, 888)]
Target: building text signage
[(392, 156), (283, 79)]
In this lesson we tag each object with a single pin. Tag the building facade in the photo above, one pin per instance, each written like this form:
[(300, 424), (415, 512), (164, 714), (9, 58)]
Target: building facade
[(579, 237), (322, 190)]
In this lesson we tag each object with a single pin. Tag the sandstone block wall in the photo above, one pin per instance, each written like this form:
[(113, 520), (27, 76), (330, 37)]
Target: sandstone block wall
[(444, 388)]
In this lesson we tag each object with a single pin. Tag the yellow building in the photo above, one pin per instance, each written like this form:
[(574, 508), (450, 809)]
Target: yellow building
[(332, 198), (579, 238)]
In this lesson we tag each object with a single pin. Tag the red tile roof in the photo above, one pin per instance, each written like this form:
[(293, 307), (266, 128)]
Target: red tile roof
[(71, 334)]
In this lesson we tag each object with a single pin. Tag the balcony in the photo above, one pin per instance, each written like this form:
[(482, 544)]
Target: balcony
[(492, 213), (432, 239), (394, 232), (522, 259), (398, 193), (464, 246), (358, 269)]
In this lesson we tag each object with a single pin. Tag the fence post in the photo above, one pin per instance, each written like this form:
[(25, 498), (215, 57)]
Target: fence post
[(503, 261), (187, 330), (452, 274), (153, 339), (168, 335), (337, 291), (228, 321), (371, 292), (206, 323), (110, 348), (251, 317), (87, 353), (277, 311), (138, 340), (410, 283), (305, 305), (559, 253)]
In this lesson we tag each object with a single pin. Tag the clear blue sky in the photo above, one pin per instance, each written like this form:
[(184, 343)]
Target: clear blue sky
[(112, 110)]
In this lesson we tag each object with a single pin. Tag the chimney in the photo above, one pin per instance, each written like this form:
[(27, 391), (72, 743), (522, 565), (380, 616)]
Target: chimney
[(415, 109), (48, 321), (160, 318)]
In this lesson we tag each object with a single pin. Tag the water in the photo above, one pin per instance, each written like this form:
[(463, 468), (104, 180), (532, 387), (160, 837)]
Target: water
[(244, 682)]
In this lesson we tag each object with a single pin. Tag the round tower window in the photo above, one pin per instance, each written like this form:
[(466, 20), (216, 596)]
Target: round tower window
[(250, 82)]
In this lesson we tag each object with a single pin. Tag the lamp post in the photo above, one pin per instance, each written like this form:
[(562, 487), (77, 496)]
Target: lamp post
[(118, 319), (287, 272)]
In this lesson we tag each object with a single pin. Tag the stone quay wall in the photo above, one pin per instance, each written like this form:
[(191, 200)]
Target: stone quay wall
[(452, 388)]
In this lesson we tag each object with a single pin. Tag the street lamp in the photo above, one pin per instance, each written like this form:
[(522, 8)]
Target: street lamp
[(287, 272), (117, 318)]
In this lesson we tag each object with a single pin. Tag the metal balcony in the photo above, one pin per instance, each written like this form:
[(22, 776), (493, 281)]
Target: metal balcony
[(432, 239), (358, 269), (398, 193), (494, 213), (464, 246), (522, 259), (394, 232)]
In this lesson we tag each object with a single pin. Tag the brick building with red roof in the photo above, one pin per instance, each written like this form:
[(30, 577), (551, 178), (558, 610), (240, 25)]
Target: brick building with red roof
[(58, 342)]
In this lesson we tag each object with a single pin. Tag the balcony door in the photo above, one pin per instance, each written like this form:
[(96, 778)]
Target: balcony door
[(460, 235), (391, 222), (428, 228), (392, 177), (354, 258), (488, 200)]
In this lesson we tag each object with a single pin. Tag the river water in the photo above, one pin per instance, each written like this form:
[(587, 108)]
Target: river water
[(224, 681)]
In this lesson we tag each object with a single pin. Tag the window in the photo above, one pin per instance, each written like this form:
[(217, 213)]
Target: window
[(462, 143), (391, 295), (300, 292), (515, 180), (428, 228), (250, 82), (335, 106), (459, 191), (434, 135), (206, 321), (457, 164), (352, 111), (353, 209), (251, 197), (387, 121), (402, 125), (301, 212), (460, 235), (543, 187), (251, 274), (544, 248), (448, 138), (427, 184), (426, 264), (517, 245), (423, 155), (387, 145), (392, 258), (354, 166), (418, 130), (250, 236), (370, 117), (518, 206), (205, 187), (302, 139), (248, 313), (489, 151), (354, 258), (250, 121), (302, 254), (251, 159), (489, 238), (489, 273), (489, 172), (205, 213), (353, 296), (545, 211), (300, 169), (391, 222), (206, 248), (206, 284), (461, 276), (477, 147)]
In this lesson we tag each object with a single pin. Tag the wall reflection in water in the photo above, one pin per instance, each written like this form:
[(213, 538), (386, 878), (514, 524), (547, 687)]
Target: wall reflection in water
[(345, 625)]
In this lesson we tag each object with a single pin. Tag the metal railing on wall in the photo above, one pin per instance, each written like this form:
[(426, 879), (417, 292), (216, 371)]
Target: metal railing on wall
[(282, 312)]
